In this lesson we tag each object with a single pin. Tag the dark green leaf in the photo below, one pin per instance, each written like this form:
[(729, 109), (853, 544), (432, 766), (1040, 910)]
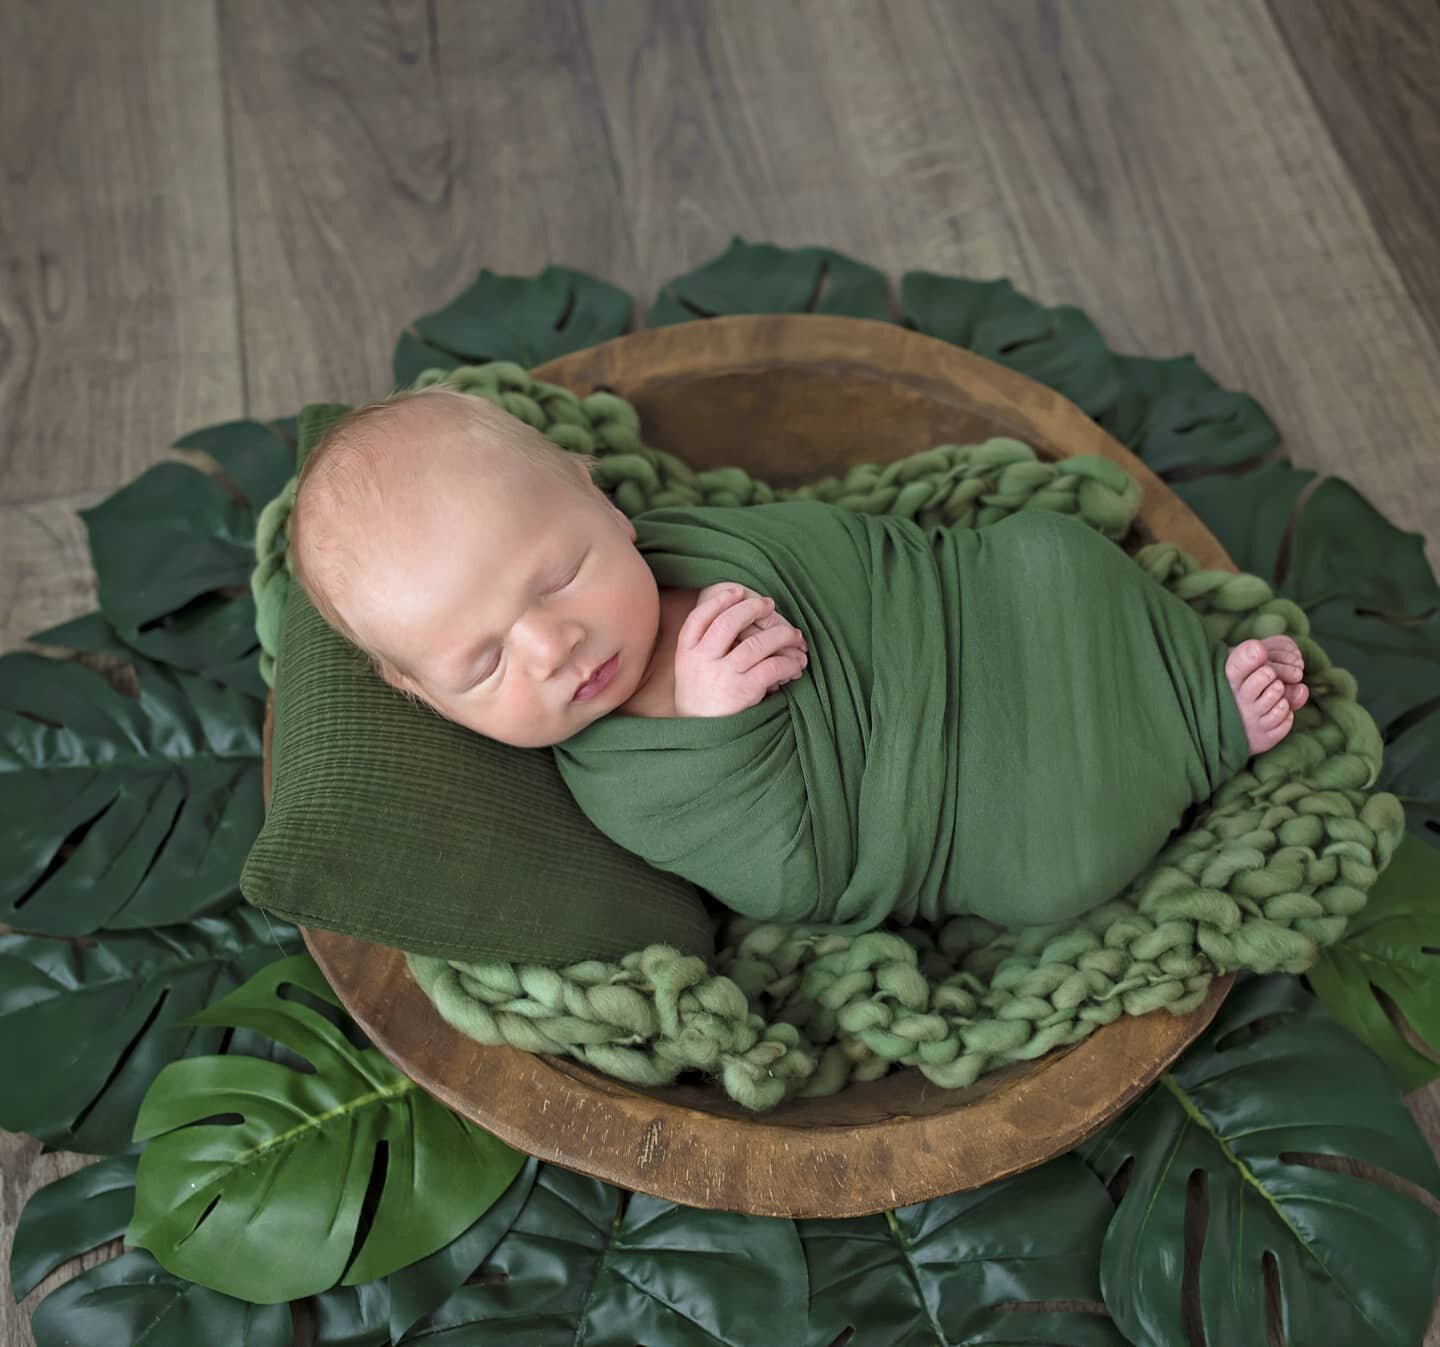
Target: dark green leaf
[(1392, 944), (1059, 348), (1356, 1259), (353, 1316), (170, 535), (943, 1271), (257, 459), (1412, 771), (1249, 512), (573, 1269), (412, 357), (1397, 665), (417, 1290), (131, 1300), (69, 1217), (117, 813), (527, 319), (954, 309), (200, 638), (762, 278), (269, 1208), (173, 550), (1173, 415), (88, 1026), (1345, 548)]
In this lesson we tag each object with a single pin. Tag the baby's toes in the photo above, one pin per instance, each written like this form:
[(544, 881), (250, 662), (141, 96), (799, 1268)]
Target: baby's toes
[(1285, 657), (1256, 685), (1271, 696), (1275, 715), (1243, 662), (1297, 696)]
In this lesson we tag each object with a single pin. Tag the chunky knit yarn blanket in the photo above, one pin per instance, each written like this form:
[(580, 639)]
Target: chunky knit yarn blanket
[(1264, 873)]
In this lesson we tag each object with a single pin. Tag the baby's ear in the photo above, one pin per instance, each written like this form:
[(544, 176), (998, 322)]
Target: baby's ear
[(393, 677)]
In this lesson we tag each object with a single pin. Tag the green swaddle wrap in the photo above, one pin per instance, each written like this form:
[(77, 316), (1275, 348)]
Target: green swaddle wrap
[(1008, 721)]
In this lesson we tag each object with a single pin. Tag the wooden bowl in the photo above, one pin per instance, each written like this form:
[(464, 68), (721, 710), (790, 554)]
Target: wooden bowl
[(791, 398)]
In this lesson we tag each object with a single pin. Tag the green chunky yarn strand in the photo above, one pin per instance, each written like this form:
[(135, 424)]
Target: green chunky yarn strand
[(1268, 874)]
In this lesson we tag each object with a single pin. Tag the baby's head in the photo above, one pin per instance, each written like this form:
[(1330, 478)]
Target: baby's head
[(476, 563)]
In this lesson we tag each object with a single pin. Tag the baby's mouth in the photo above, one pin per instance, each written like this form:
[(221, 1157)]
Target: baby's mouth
[(599, 680)]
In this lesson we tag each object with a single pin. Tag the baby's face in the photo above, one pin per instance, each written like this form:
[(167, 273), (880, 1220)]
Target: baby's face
[(502, 593)]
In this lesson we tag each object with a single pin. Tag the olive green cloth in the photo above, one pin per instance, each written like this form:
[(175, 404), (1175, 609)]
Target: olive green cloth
[(1008, 722)]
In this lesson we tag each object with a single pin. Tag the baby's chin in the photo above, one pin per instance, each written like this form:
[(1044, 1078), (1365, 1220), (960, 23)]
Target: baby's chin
[(546, 740)]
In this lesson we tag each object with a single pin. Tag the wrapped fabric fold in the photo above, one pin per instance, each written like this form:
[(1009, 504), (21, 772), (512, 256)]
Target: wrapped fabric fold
[(1007, 722)]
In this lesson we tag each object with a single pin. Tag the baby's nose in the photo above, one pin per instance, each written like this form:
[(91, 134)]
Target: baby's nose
[(553, 643)]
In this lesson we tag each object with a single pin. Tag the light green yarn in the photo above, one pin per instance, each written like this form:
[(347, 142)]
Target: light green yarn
[(1268, 873)]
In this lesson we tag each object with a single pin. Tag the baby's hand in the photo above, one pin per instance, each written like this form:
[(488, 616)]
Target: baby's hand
[(733, 650)]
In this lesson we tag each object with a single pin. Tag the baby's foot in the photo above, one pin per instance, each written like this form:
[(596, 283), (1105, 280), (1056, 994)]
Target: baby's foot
[(1265, 677)]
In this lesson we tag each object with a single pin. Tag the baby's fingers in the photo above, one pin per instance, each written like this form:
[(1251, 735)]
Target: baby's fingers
[(728, 625), (713, 603), (780, 669), (784, 644)]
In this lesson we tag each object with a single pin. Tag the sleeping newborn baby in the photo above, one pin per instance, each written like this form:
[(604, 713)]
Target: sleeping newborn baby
[(814, 715)]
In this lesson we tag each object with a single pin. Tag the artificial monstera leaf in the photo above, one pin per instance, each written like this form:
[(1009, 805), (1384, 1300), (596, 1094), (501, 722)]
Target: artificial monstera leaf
[(1412, 769), (375, 1314), (71, 1216), (761, 278), (587, 1264), (1392, 944), (173, 549), (119, 813), (424, 1286), (131, 1301), (267, 1203), (353, 1316), (1271, 1080), (527, 319), (1058, 347), (954, 1270), (85, 1027), (258, 458), (1172, 414), (224, 620)]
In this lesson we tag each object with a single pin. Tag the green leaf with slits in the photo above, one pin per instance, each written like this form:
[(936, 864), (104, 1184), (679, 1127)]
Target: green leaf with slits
[(86, 1026), (762, 278), (255, 1179), (949, 1270), (585, 1263), (1273, 1079), (1392, 944), (524, 319), (131, 1301), (118, 813)]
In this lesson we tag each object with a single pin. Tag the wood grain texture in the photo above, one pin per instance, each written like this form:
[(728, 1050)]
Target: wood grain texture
[(117, 294), (1370, 69), (1216, 178), (48, 576)]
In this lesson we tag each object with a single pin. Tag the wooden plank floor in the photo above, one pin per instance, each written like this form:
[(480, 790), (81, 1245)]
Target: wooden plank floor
[(215, 209)]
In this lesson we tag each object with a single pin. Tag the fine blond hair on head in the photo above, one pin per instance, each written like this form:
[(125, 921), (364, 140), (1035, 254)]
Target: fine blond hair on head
[(341, 476)]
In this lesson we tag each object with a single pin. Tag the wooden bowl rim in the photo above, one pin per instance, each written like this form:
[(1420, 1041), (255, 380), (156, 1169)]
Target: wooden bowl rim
[(777, 1163)]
